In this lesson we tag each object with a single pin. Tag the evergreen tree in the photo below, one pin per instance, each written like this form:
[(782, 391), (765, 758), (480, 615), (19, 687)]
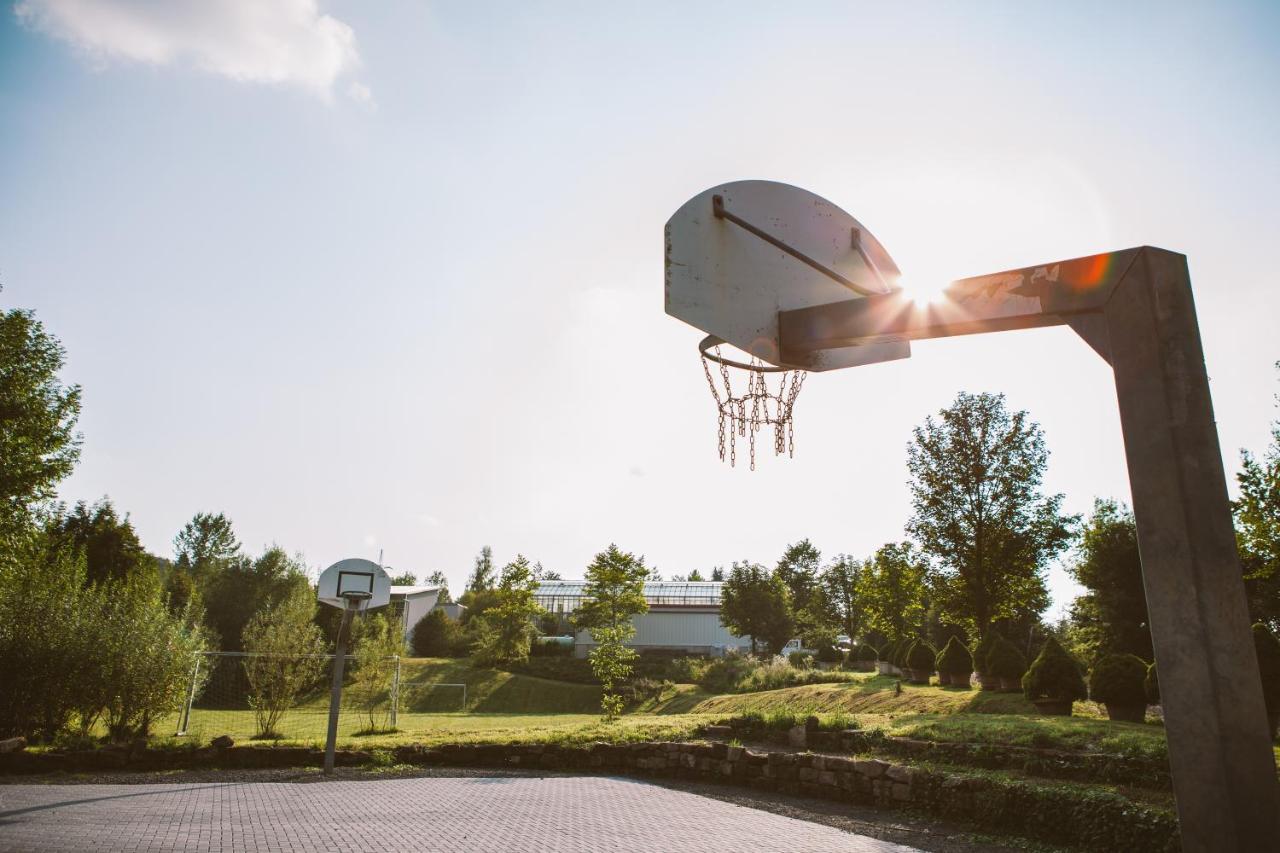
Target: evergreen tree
[(1112, 616), (482, 575)]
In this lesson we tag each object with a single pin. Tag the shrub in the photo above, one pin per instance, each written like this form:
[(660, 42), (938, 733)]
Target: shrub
[(864, 653), (1268, 649), (800, 660), (1151, 685), (435, 635), (549, 649), (577, 670), (830, 654), (723, 674), (982, 650), (1118, 680), (778, 672), (921, 656), (900, 650), (688, 670), (1005, 660), (955, 659), (1053, 675)]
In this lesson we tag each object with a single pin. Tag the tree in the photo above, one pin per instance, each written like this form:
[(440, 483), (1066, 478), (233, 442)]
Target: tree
[(979, 511), (435, 635), (717, 574), (506, 629), (1112, 616), (109, 543), (1257, 513), (440, 582), (376, 644), (246, 586), (404, 579), (482, 575), (542, 574), (206, 543), (892, 590), (695, 576), (614, 595), (840, 582), (286, 651), (38, 442), (816, 620), (757, 604)]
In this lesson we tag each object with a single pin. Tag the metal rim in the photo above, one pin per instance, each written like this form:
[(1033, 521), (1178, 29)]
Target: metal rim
[(712, 341)]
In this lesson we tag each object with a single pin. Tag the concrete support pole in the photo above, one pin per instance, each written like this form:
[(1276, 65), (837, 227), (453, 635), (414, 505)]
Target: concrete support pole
[(335, 690), (1224, 773)]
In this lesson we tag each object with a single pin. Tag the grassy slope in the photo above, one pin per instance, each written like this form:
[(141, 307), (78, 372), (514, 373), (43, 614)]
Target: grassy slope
[(872, 694), (490, 691)]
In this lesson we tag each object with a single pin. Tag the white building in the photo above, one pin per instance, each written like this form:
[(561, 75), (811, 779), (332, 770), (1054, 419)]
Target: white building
[(412, 603), (683, 616)]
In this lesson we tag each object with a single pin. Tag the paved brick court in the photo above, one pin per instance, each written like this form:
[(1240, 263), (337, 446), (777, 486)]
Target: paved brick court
[(472, 814)]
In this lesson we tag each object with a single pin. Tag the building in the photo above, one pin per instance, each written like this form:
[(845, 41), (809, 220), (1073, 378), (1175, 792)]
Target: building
[(683, 616), (411, 603)]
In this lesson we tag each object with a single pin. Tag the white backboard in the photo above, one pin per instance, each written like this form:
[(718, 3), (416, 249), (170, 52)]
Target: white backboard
[(731, 283), (354, 575)]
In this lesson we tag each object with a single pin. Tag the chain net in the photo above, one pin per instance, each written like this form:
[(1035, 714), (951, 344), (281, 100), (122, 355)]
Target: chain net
[(743, 414)]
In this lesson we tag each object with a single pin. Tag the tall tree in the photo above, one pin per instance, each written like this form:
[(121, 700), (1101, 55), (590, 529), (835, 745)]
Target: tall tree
[(506, 630), (205, 543), (1258, 529), (816, 621), (285, 648), (695, 576), (482, 575), (1112, 615), (404, 579), (840, 582), (109, 543), (614, 595), (757, 604), (38, 442), (717, 574), (980, 512), (892, 589), (440, 582), (246, 586)]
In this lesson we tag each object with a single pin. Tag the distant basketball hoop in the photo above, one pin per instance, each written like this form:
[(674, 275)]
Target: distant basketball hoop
[(742, 414)]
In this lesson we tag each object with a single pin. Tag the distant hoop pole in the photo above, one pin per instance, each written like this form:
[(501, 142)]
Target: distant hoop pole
[(720, 212), (711, 341)]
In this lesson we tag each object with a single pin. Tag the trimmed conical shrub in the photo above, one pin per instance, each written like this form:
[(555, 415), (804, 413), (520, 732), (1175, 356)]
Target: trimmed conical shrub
[(1118, 680), (983, 649), (865, 653), (954, 659), (921, 657), (1005, 660), (1054, 674)]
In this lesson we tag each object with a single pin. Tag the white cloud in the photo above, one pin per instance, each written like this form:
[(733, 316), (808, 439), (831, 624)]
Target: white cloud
[(285, 42)]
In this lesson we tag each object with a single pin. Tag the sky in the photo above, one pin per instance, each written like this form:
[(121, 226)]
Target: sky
[(387, 277)]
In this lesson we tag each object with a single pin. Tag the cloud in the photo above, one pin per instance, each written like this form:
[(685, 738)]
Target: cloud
[(283, 42)]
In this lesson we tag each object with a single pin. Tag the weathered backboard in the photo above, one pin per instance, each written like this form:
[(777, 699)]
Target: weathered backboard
[(354, 575), (727, 275)]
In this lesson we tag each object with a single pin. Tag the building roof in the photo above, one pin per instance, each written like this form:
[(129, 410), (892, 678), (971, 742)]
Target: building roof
[(567, 595), (413, 590)]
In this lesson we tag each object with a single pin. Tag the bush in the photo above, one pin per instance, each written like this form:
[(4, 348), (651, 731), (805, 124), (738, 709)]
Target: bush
[(1151, 685), (1118, 680), (577, 670), (800, 660), (830, 654), (435, 635), (900, 650), (1006, 661), (921, 656), (864, 652), (1053, 675), (723, 674), (688, 670), (1268, 649), (955, 659), (778, 672), (982, 650), (541, 648)]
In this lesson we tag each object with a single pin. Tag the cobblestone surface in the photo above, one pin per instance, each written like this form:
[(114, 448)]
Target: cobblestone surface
[(565, 813)]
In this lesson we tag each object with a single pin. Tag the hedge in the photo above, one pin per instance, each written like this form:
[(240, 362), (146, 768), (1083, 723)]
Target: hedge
[(921, 656), (1118, 680), (1005, 660), (982, 650), (864, 652), (1054, 675), (954, 659)]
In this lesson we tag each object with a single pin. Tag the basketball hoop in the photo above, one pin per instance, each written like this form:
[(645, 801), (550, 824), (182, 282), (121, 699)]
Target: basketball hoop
[(743, 414)]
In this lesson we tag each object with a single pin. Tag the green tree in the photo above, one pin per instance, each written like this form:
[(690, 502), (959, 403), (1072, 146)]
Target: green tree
[(38, 442), (979, 510), (440, 582), (1112, 615), (376, 644), (695, 576), (435, 635), (109, 543), (892, 590), (614, 596), (404, 579), (246, 586), (840, 581), (506, 629), (1257, 513), (816, 621), (205, 544), (757, 604), (717, 574), (285, 656), (482, 575)]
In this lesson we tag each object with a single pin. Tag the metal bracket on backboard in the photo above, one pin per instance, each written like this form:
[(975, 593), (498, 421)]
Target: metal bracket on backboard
[(718, 208)]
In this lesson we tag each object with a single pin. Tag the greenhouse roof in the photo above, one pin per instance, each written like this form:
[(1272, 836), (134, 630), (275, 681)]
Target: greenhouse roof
[(567, 595)]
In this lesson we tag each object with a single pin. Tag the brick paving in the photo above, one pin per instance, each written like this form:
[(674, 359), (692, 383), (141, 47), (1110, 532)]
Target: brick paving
[(531, 815)]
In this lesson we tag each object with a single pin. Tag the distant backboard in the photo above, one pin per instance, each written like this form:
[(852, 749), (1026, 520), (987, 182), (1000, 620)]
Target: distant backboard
[(739, 253), (354, 576)]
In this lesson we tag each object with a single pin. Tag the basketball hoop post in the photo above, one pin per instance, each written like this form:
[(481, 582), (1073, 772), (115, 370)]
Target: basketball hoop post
[(353, 600), (1135, 309)]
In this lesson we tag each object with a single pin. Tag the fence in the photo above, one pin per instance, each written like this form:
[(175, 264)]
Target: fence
[(253, 696)]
